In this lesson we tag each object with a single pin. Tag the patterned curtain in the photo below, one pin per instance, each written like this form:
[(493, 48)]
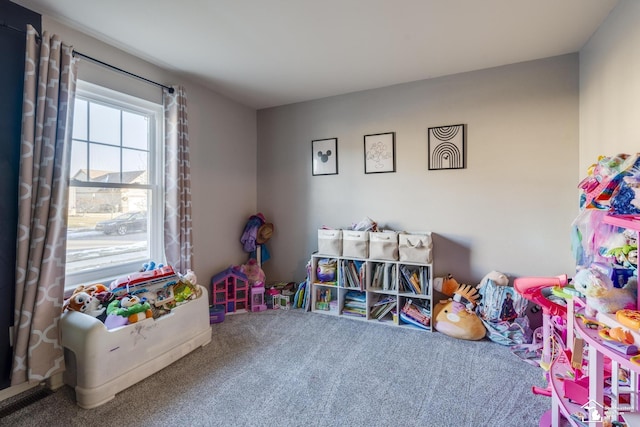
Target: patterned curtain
[(49, 88), (177, 211)]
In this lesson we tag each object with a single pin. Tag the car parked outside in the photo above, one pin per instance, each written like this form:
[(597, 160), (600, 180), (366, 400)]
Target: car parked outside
[(123, 224)]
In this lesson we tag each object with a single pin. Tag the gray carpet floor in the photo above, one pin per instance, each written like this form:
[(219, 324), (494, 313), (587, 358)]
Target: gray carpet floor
[(291, 368)]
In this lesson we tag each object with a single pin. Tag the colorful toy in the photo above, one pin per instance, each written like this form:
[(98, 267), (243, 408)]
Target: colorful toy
[(446, 285), (84, 302), (616, 334), (603, 179), (149, 280), (230, 288), (271, 298), (253, 271), (257, 297), (629, 318), (326, 271), (600, 293), (532, 288), (131, 308), (184, 291), (456, 317)]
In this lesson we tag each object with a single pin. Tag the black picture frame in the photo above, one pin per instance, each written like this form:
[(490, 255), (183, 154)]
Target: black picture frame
[(447, 147), (324, 156), (380, 153)]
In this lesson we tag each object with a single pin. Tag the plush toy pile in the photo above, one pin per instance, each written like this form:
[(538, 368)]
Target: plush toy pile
[(151, 292), (610, 188), (492, 309)]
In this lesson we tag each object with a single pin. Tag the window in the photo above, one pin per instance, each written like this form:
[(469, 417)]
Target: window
[(115, 186)]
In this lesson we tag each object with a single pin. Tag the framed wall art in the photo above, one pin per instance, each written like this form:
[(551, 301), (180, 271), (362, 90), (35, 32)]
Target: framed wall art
[(324, 156), (380, 152), (447, 147)]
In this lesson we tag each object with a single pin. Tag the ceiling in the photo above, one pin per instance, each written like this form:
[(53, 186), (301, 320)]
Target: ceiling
[(265, 53)]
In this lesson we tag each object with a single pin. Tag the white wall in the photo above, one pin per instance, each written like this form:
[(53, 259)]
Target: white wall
[(610, 87), (222, 135), (509, 210)]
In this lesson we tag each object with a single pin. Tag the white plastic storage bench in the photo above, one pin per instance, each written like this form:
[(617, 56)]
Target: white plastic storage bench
[(102, 362)]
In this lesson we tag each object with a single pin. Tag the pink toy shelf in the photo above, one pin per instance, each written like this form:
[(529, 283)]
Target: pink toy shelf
[(230, 289)]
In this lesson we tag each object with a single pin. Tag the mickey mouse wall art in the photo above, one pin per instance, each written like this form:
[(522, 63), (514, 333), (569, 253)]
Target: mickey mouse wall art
[(324, 156)]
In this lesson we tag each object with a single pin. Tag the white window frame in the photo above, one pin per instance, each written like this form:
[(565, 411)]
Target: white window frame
[(155, 213)]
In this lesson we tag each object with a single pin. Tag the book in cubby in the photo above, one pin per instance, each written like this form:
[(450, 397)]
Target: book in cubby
[(384, 276), (414, 279), (353, 273), (416, 313), (382, 307), (355, 304)]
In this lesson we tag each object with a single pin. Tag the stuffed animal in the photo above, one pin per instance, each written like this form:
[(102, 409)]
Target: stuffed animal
[(456, 317), (87, 300), (84, 303), (498, 278), (131, 308), (191, 277), (253, 272), (446, 285), (600, 293)]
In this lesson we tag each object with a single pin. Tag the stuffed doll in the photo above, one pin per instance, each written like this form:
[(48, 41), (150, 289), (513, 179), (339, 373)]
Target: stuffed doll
[(600, 293)]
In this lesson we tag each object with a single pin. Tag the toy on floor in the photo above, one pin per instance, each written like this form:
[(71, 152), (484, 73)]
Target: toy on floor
[(257, 297), (601, 295), (503, 311), (456, 316)]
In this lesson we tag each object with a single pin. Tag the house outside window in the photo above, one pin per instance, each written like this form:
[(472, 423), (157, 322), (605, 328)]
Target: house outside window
[(115, 186)]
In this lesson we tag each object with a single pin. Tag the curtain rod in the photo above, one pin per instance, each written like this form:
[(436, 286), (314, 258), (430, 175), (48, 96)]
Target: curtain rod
[(120, 70), (11, 27), (97, 61)]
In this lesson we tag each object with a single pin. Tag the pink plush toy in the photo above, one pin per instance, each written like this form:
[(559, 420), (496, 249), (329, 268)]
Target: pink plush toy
[(253, 271)]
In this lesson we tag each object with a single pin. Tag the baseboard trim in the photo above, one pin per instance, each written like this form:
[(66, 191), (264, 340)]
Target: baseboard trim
[(15, 390)]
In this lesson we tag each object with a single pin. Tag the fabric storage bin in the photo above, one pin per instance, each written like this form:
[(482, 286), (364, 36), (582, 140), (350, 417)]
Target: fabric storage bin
[(355, 243), (383, 245), (415, 247), (330, 242)]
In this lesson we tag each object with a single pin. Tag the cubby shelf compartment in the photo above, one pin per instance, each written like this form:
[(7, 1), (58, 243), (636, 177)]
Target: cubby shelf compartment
[(370, 283)]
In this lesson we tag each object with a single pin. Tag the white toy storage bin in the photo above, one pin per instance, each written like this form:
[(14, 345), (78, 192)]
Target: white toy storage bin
[(102, 362)]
